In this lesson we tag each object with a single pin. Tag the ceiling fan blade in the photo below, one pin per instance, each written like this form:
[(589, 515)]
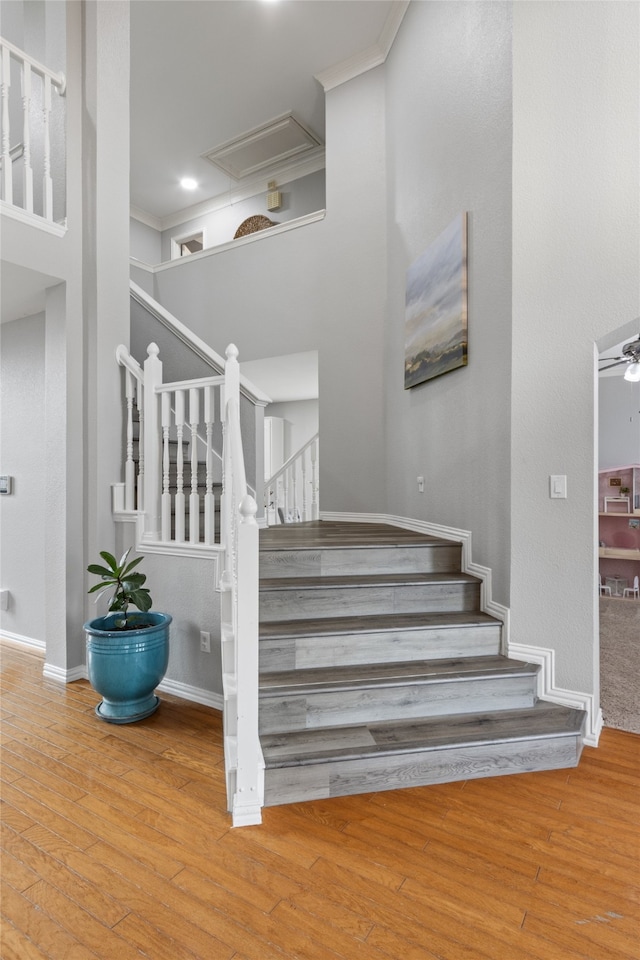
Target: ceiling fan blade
[(604, 359), (617, 364)]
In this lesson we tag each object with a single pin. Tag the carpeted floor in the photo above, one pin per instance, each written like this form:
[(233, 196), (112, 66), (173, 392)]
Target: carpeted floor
[(620, 663)]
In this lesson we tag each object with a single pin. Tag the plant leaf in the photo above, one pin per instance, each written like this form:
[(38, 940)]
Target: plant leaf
[(110, 559), (123, 558), (102, 586), (134, 563), (100, 571)]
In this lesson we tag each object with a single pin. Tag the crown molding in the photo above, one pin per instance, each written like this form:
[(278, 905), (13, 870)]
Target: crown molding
[(367, 59), (284, 173), (136, 213)]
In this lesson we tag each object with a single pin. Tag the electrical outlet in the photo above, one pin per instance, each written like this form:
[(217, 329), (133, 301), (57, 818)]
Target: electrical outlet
[(205, 641), (420, 484)]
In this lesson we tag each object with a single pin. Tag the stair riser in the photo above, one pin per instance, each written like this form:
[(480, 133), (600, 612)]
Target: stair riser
[(300, 653), (403, 702), (299, 603), (346, 777), (327, 562)]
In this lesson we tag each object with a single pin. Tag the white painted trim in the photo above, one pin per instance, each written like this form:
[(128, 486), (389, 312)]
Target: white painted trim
[(137, 213), (32, 219), (367, 59), (195, 551), (545, 657), (30, 642), (195, 694), (178, 239), (60, 675), (141, 265), (242, 241), (547, 689)]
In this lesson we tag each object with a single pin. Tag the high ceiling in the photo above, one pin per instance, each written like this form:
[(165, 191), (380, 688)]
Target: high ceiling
[(207, 71)]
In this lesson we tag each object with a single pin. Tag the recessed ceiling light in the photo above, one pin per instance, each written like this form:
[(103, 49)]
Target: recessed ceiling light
[(188, 183)]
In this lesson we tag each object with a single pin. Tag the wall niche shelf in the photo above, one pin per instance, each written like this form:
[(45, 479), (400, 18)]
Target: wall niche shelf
[(619, 525)]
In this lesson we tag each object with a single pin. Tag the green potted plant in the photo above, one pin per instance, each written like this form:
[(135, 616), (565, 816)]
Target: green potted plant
[(127, 652)]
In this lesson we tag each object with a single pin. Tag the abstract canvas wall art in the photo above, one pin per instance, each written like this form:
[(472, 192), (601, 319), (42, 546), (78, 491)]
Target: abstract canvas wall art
[(436, 336)]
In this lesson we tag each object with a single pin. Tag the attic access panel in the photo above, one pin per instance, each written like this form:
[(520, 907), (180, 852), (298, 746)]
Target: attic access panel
[(265, 146)]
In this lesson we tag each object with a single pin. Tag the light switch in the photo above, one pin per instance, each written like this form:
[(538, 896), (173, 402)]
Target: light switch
[(558, 487)]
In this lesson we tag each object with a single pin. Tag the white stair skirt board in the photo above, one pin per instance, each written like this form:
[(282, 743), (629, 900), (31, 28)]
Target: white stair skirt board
[(541, 655)]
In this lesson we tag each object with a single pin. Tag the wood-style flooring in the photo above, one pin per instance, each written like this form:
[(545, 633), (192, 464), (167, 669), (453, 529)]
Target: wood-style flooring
[(116, 845)]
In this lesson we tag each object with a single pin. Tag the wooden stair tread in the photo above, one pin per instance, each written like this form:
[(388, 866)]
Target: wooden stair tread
[(367, 580), (321, 745), (377, 623), (323, 533), (351, 677)]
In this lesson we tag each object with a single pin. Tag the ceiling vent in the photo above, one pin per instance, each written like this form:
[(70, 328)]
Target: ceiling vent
[(280, 140)]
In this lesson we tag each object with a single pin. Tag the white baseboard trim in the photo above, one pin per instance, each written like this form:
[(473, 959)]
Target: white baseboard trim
[(196, 694), (29, 642), (61, 675), (547, 689)]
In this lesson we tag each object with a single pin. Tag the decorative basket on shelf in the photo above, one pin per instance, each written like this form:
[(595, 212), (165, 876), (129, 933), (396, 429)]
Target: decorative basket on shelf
[(252, 225)]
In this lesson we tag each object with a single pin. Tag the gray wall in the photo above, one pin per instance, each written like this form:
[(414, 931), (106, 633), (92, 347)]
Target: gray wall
[(22, 514), (449, 125), (619, 422), (145, 243), (576, 277), (331, 296), (301, 422)]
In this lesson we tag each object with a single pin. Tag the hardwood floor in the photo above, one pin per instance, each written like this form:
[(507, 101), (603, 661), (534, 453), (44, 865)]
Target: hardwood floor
[(116, 844)]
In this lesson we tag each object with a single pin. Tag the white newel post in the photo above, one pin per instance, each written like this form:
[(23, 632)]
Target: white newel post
[(152, 458), (249, 796), (130, 467)]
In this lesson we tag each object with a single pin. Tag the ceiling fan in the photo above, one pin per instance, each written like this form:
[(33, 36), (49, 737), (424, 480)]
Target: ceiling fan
[(630, 356)]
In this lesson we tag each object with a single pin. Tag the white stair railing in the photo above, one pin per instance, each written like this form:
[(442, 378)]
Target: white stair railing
[(36, 85), (171, 416), (291, 495), (184, 414)]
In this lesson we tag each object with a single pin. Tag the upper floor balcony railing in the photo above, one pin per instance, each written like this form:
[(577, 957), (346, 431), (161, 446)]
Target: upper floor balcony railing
[(32, 162)]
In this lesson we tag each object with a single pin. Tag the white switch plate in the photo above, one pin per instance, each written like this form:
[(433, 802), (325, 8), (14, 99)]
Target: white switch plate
[(558, 487)]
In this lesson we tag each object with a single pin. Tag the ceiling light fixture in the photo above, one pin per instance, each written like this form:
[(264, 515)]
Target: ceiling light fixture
[(632, 373), (188, 183)]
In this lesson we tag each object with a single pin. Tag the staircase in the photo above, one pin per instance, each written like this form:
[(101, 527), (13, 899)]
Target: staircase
[(378, 669)]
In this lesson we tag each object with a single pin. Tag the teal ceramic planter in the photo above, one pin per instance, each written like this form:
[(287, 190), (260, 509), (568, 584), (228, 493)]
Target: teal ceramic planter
[(126, 666)]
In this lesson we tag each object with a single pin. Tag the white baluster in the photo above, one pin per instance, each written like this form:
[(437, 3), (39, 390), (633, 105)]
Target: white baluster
[(129, 467), (27, 172), (285, 496), (47, 182), (166, 466), (314, 481), (305, 498), (7, 167), (180, 499), (209, 497), (294, 484), (194, 498), (140, 403)]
